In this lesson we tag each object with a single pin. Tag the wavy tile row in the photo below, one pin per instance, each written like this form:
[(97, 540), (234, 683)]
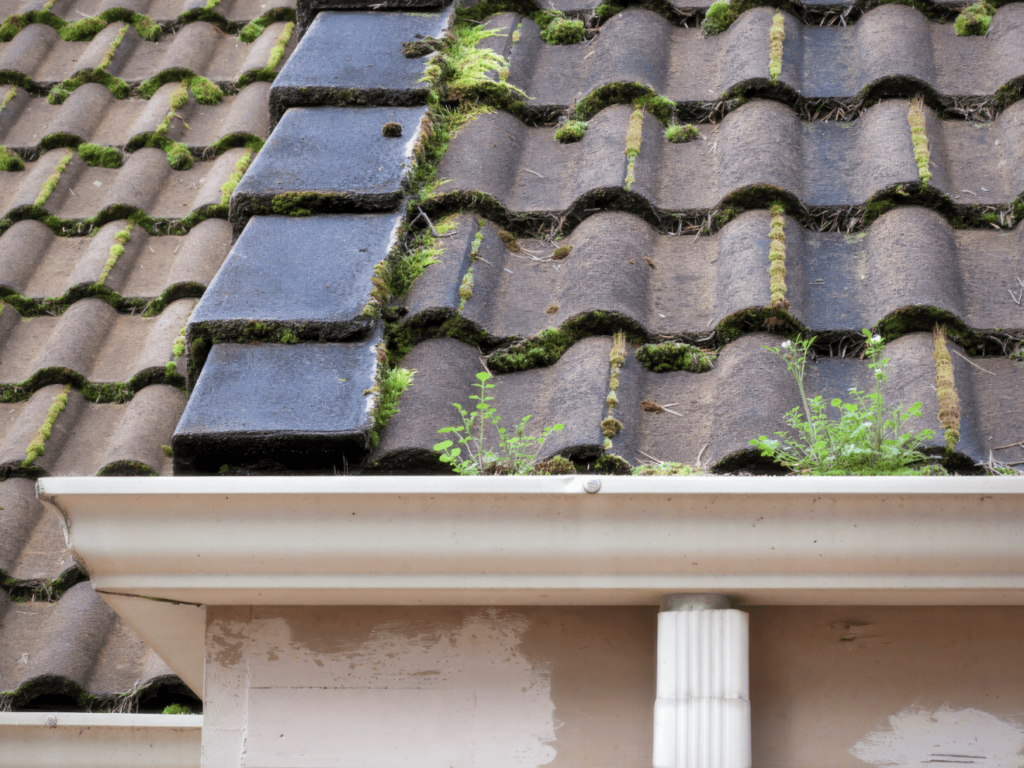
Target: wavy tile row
[(39, 56), (710, 417), (762, 144), (890, 46), (91, 341), (88, 438), (97, 655), (32, 549), (145, 184), (41, 268), (163, 12), (29, 125), (685, 287)]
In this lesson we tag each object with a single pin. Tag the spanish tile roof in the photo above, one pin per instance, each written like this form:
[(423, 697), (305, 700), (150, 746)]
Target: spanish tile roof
[(547, 214), (124, 131)]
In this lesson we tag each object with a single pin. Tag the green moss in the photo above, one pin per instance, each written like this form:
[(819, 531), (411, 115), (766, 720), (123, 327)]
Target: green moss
[(255, 28), (634, 135), (919, 137), (610, 427), (37, 446), (681, 134), (241, 166), (974, 19), (776, 36), (389, 388), (409, 261), (675, 356), (282, 42), (206, 91), (777, 258), (51, 183), (179, 156), (97, 156), (8, 97), (180, 709), (391, 130), (666, 469), (121, 239), (719, 17), (169, 454), (556, 465), (563, 31), (10, 161), (466, 289), (637, 94), (606, 10), (945, 388), (570, 132), (561, 252), (380, 290)]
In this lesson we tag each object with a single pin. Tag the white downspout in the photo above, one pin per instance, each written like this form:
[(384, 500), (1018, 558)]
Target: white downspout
[(702, 710)]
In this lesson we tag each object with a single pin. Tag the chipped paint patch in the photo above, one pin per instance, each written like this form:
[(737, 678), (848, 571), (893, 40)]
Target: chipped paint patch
[(916, 736)]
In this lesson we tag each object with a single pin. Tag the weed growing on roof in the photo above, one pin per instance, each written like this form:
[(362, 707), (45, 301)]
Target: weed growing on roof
[(393, 382), (10, 161), (37, 446), (570, 131), (974, 19), (719, 17), (917, 133), (680, 134), (866, 439), (516, 452), (945, 387), (776, 36)]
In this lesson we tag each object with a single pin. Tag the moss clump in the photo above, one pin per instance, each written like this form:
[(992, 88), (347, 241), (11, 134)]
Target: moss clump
[(206, 91), (282, 42), (37, 446), (510, 241), (680, 134), (10, 161), (974, 19), (409, 261), (228, 187), (605, 11), (389, 388), (777, 258), (97, 156), (256, 27), (391, 130), (466, 289), (121, 239), (666, 469), (776, 37), (570, 132), (562, 31), (169, 454), (179, 156), (719, 18), (949, 403), (920, 138), (556, 465), (675, 356), (176, 709), (637, 94), (561, 252), (610, 427), (11, 93)]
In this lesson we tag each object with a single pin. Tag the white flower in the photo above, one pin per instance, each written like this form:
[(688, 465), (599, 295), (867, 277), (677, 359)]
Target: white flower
[(787, 344), (876, 339)]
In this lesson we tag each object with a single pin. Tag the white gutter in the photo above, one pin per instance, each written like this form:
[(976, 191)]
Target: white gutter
[(532, 541), (76, 740)]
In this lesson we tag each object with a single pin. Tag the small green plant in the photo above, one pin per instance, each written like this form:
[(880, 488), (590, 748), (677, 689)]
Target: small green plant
[(393, 383), (719, 16), (974, 19), (680, 134), (570, 132), (516, 453), (866, 439)]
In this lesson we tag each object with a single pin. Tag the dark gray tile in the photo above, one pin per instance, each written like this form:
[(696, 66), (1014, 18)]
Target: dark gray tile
[(301, 407), (329, 160), (358, 58)]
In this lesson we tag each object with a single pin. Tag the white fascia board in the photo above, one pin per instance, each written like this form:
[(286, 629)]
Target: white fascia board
[(545, 540), (77, 740)]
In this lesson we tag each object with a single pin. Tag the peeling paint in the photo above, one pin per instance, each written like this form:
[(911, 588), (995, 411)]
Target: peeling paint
[(916, 736)]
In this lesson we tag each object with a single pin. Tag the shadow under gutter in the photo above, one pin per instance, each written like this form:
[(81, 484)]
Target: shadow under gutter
[(187, 542)]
